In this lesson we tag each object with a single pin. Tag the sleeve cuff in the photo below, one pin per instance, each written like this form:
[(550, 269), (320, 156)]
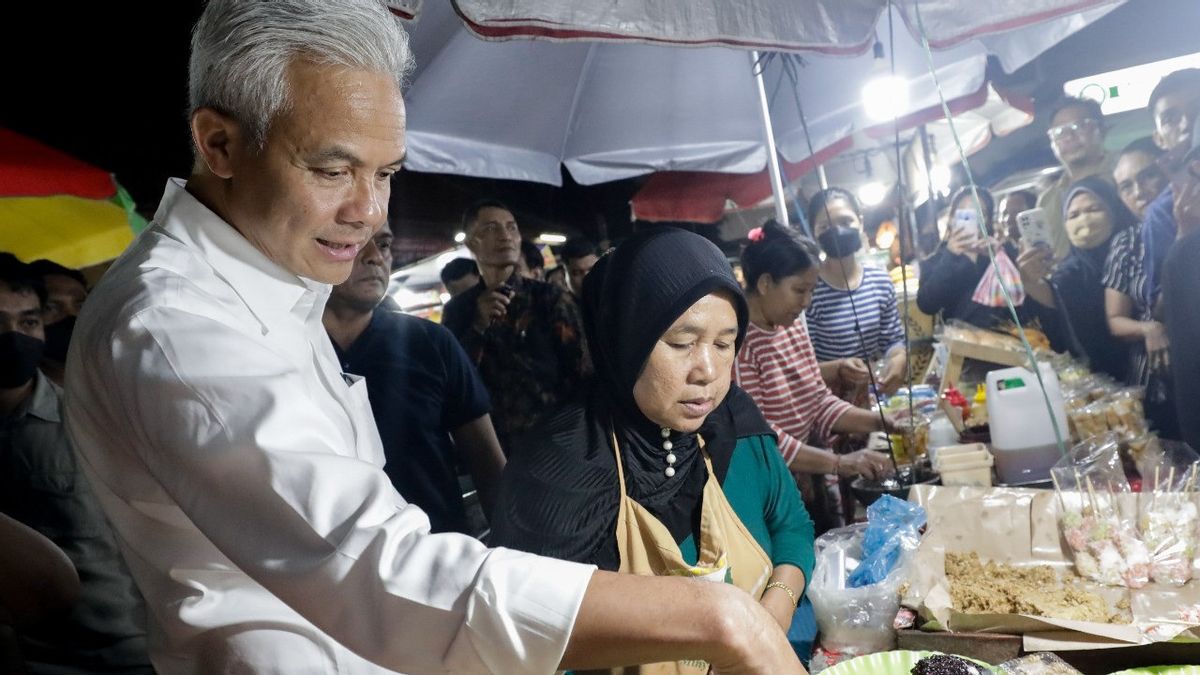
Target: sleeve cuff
[(522, 611)]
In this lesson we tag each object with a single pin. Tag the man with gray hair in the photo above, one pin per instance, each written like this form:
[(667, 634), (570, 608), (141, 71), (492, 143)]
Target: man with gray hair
[(242, 470)]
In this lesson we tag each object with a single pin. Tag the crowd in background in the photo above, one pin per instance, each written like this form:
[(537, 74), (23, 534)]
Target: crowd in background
[(1113, 281)]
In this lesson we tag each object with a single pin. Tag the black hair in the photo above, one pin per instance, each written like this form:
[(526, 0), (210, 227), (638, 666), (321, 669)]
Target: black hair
[(1087, 105), (459, 268), (1171, 83), (19, 276), (44, 268), (1029, 197), (578, 247), (1144, 144), (817, 204), (986, 199), (473, 210), (532, 255), (781, 252)]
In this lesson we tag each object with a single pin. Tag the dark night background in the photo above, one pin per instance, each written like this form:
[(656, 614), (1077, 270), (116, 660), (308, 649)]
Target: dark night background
[(107, 82)]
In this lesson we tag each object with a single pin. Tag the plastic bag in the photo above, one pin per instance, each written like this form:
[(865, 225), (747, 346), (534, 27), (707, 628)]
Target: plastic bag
[(853, 621), (1103, 540), (893, 526), (1167, 515)]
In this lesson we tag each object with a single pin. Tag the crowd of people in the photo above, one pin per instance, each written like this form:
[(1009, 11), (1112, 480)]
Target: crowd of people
[(249, 460)]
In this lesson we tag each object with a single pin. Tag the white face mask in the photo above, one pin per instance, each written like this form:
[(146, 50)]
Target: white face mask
[(1088, 223)]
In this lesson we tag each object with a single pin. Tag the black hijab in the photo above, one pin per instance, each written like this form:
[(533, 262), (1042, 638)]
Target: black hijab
[(559, 495), (1078, 285)]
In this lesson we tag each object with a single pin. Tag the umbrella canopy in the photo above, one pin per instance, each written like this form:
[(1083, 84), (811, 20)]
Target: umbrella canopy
[(57, 207), (703, 197), (838, 27), (523, 109)]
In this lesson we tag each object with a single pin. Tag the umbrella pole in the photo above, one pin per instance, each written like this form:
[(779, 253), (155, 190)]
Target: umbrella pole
[(781, 214)]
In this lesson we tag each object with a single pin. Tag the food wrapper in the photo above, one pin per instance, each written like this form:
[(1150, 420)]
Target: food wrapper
[(1020, 527)]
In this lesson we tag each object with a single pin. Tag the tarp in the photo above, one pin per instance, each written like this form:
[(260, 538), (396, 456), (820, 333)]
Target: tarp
[(58, 207)]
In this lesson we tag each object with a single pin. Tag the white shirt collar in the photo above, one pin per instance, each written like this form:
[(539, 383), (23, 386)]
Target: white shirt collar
[(269, 291)]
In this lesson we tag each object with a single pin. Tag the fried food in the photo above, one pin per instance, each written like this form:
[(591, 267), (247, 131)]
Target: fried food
[(978, 587)]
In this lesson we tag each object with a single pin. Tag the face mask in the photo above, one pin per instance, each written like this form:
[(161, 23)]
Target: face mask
[(19, 358), (58, 338), (840, 241), (1089, 230)]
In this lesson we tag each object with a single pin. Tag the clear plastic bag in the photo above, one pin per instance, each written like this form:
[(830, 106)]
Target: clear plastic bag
[(855, 621), (1103, 540), (1168, 515)]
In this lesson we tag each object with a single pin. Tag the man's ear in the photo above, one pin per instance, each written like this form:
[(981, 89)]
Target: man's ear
[(218, 140)]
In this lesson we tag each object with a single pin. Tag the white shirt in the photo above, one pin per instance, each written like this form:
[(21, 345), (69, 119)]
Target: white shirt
[(243, 475)]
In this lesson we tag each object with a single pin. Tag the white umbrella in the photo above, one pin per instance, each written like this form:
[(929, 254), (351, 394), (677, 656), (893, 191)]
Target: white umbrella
[(607, 111)]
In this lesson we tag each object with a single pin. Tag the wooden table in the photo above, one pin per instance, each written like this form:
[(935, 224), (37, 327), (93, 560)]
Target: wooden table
[(996, 648)]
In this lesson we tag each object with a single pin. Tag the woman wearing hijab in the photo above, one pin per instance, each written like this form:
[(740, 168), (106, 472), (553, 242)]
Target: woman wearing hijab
[(778, 368), (1070, 301), (959, 280), (853, 318), (662, 467)]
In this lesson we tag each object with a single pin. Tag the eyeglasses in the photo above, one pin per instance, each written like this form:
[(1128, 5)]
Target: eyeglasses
[(1074, 129)]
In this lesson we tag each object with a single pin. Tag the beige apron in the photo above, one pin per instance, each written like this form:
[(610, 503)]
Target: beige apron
[(727, 553)]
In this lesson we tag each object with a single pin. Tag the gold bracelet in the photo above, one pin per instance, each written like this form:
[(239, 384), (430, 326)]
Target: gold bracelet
[(786, 589)]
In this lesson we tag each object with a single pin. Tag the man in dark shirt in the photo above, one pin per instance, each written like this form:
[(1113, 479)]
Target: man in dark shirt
[(459, 275), (43, 486), (1181, 290), (580, 256), (428, 402), (1175, 106), (526, 336)]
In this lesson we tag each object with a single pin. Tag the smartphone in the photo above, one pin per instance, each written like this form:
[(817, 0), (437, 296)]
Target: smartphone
[(1034, 228), (966, 220)]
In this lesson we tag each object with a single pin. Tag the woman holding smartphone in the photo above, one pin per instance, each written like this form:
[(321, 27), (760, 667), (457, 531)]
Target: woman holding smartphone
[(958, 279)]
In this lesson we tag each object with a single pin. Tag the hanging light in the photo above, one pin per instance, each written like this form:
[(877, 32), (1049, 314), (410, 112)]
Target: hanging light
[(940, 176), (872, 193), (551, 238), (460, 237), (885, 96)]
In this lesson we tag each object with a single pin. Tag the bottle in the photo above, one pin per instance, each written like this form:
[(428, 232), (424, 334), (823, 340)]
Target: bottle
[(979, 413)]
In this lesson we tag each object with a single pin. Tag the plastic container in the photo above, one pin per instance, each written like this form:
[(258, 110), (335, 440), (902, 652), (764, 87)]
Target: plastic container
[(941, 435), (1024, 442), (969, 464)]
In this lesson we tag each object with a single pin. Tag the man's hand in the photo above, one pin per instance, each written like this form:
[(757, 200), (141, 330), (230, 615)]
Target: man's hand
[(1187, 203), (1157, 346), (491, 306)]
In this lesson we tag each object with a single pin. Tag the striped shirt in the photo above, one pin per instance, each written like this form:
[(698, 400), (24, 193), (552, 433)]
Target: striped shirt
[(831, 318), (780, 372)]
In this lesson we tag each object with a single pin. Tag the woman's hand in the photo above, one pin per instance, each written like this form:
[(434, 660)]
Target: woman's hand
[(852, 373), (893, 372), (1157, 345), (963, 242), (1035, 264), (869, 464)]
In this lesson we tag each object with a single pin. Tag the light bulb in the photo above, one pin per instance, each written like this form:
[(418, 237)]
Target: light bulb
[(885, 97), (870, 194)]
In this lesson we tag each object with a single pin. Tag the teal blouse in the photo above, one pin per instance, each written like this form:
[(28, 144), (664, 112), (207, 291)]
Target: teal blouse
[(764, 496)]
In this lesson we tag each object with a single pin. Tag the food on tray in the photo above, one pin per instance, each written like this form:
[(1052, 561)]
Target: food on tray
[(978, 587), (945, 664)]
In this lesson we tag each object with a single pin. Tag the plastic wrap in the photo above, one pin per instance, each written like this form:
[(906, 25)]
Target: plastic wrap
[(893, 526), (853, 621), (1103, 540), (1168, 515)]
